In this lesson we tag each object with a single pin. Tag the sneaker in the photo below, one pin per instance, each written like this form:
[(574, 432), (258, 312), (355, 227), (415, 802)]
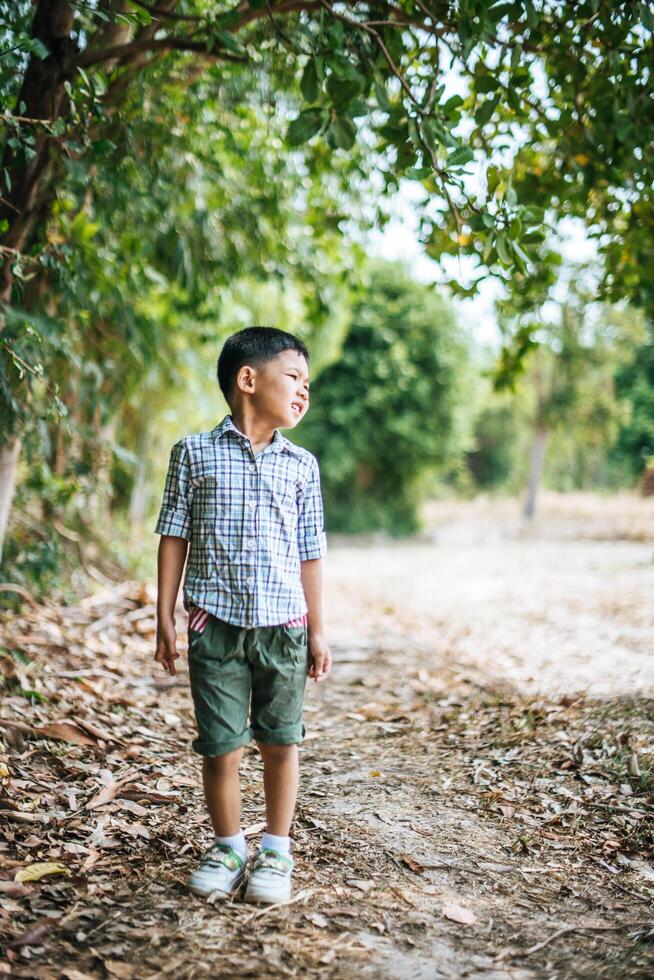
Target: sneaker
[(221, 870), (270, 877)]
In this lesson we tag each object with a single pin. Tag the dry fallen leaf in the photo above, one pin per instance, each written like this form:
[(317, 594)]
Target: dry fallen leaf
[(34, 872), (14, 889), (317, 919), (66, 731), (93, 858), (106, 795), (412, 863), (116, 968), (458, 914), (362, 884), (35, 933)]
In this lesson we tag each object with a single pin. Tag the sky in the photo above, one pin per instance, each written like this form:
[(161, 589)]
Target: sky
[(399, 240)]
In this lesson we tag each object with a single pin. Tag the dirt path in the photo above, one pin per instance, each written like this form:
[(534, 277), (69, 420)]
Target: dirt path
[(560, 607), (434, 787)]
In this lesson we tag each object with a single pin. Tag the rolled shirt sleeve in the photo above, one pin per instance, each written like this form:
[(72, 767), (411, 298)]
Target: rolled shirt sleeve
[(311, 537), (175, 514)]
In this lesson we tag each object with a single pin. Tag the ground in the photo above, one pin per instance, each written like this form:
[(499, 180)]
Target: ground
[(477, 777)]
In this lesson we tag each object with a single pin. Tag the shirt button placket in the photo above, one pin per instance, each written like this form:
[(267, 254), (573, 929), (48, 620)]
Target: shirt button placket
[(251, 541)]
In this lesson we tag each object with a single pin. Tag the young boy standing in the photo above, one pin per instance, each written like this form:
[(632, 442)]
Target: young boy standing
[(246, 503)]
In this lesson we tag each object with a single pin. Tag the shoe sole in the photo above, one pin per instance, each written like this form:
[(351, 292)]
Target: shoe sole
[(202, 892), (254, 897)]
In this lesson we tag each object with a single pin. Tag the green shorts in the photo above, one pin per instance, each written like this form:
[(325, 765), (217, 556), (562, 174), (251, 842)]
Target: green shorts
[(247, 683)]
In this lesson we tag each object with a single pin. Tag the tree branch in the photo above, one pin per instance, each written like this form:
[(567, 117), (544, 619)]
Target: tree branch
[(163, 14), (161, 44), (246, 13)]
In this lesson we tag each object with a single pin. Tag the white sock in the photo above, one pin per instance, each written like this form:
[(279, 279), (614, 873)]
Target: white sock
[(238, 842), (281, 844)]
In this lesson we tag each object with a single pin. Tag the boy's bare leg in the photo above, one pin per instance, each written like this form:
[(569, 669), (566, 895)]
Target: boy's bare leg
[(222, 791), (280, 783)]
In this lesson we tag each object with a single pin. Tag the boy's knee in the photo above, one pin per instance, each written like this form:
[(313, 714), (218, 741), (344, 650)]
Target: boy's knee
[(222, 764), (276, 753)]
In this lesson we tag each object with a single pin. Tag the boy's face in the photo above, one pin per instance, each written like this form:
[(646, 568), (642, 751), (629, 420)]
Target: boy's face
[(281, 389)]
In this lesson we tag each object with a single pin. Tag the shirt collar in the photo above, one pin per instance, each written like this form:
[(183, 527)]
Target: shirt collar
[(226, 424)]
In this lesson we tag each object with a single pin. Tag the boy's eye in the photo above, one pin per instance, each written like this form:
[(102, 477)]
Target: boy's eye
[(295, 377)]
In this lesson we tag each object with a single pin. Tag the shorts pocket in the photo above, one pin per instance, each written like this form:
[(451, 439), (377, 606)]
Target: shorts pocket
[(294, 644)]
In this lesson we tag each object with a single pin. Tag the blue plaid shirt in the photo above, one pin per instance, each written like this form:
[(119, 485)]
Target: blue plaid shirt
[(250, 519)]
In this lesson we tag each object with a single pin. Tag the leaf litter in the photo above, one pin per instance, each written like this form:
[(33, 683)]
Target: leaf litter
[(445, 826)]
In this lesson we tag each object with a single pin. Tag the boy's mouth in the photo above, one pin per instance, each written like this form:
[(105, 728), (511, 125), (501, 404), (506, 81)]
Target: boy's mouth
[(297, 408)]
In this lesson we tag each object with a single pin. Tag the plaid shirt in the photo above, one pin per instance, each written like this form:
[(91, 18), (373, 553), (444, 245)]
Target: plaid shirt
[(250, 519)]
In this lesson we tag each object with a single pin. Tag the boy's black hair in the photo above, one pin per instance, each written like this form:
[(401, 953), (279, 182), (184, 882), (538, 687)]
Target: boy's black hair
[(254, 346)]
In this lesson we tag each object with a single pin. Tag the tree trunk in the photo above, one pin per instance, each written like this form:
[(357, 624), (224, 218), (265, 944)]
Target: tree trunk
[(45, 98), (535, 471), (9, 453)]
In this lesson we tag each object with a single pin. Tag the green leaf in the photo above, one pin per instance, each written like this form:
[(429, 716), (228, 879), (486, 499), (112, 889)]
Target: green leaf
[(460, 157), (305, 126), (492, 179), (343, 89), (356, 108), (486, 83), (534, 215), (381, 95), (309, 85), (417, 173), (515, 227), (516, 55), (502, 247), (228, 19), (484, 112), (646, 16), (452, 103), (342, 133), (520, 253), (228, 41), (102, 147), (436, 133), (37, 47)]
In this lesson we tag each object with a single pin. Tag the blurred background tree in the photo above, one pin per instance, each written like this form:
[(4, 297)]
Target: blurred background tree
[(391, 410)]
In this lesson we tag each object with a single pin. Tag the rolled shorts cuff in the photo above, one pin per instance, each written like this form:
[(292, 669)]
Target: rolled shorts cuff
[(220, 748), (290, 735)]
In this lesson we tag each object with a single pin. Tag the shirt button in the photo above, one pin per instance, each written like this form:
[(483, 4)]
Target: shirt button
[(253, 467), (250, 543), (252, 503), (250, 583)]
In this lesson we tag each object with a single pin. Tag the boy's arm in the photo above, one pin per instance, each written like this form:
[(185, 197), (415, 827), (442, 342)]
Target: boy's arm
[(320, 658), (174, 526), (312, 546), (170, 565)]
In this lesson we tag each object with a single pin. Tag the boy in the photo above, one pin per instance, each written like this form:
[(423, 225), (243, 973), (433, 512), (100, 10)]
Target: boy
[(249, 502)]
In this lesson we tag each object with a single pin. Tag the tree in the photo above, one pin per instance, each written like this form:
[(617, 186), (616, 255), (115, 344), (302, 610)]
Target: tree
[(571, 347), (389, 412), (383, 63), (153, 248), (634, 382)]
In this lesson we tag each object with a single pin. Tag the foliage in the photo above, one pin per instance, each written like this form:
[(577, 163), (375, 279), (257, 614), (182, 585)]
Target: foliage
[(389, 412), (634, 382), (559, 128), (577, 383), (492, 460)]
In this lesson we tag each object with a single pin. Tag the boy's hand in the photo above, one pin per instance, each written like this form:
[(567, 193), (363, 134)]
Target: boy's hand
[(320, 657), (166, 653)]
